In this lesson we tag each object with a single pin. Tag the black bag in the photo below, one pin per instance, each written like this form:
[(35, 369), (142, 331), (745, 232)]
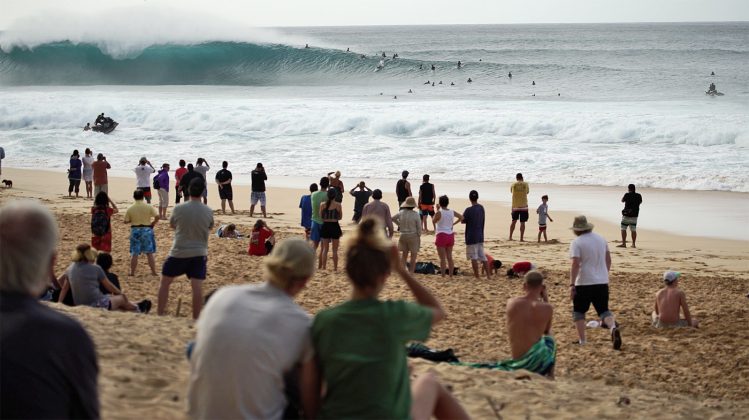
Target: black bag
[(156, 184), (425, 268)]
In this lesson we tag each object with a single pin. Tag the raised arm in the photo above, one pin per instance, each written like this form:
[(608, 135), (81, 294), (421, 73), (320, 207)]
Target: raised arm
[(422, 295)]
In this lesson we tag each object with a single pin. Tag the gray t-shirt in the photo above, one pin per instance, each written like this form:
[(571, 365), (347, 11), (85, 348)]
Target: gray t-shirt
[(202, 170), (542, 210), (193, 221), (84, 282)]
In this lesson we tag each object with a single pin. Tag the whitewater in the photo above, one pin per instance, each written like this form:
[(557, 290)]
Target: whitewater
[(611, 104)]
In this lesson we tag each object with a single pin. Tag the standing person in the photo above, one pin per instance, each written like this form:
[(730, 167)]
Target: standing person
[(223, 179), (2, 156), (365, 370), (403, 189), (427, 196), (88, 172), (589, 279), (305, 203), (100, 174), (361, 198), (258, 189), (162, 180), (142, 218), (192, 221), (143, 177), (379, 210), (262, 239), (519, 190), (177, 178), (330, 212), (202, 167), (335, 182), (240, 361), (444, 220), (474, 218), (38, 378), (631, 211), (101, 222), (187, 177), (74, 174), (409, 224), (543, 214), (317, 198)]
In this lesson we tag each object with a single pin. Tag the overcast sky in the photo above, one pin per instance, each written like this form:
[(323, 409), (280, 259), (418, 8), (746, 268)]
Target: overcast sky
[(405, 12)]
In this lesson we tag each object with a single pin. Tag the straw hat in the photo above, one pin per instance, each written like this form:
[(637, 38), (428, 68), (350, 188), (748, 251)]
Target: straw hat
[(409, 203), (581, 224)]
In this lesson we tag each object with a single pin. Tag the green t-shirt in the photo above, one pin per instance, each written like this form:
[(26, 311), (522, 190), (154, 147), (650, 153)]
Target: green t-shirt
[(317, 198), (361, 349)]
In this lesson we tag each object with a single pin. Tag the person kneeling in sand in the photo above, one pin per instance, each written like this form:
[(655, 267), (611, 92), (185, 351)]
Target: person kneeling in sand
[(668, 301), (249, 338), (529, 329)]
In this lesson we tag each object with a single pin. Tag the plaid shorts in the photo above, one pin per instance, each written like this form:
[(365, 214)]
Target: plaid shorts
[(257, 196)]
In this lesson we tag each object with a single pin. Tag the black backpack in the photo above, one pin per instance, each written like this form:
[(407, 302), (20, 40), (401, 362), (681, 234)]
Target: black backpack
[(100, 222), (156, 184)]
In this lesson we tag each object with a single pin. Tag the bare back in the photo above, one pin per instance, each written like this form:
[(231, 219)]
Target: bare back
[(669, 301), (527, 321)]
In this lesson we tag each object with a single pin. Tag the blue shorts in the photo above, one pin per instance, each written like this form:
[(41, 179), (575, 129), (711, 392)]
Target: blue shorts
[(142, 241), (194, 268), (316, 229)]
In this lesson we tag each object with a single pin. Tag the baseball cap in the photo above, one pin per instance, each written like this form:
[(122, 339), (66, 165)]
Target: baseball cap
[(671, 276)]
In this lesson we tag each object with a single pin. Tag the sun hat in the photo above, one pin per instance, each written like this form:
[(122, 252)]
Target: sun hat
[(290, 258), (671, 276), (409, 203), (581, 224)]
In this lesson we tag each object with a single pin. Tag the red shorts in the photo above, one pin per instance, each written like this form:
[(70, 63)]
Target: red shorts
[(542, 228), (444, 240)]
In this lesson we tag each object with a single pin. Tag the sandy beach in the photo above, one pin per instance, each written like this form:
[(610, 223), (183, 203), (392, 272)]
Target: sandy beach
[(686, 373)]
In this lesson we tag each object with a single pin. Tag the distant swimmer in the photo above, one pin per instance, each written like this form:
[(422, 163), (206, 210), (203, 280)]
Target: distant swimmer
[(432, 83), (460, 64), (534, 83), (395, 97), (421, 67), (479, 59), (559, 94), (87, 127), (410, 91), (427, 82), (440, 82), (533, 94), (306, 45), (362, 56), (712, 73), (452, 84), (469, 80), (509, 75), (433, 68), (383, 55), (347, 50), (395, 56)]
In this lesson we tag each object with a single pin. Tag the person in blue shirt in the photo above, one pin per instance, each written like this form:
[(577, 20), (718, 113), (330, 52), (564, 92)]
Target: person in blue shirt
[(306, 205)]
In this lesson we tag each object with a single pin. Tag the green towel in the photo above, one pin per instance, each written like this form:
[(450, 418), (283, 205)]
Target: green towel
[(539, 359)]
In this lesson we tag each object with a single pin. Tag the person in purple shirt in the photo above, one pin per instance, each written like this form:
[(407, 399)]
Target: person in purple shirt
[(474, 218), (74, 174), (162, 178)]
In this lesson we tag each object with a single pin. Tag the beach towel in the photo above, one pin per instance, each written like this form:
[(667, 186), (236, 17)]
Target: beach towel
[(539, 359)]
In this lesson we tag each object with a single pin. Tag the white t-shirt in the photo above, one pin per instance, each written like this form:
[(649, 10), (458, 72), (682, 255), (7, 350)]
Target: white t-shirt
[(445, 224), (143, 176), (591, 248), (247, 338)]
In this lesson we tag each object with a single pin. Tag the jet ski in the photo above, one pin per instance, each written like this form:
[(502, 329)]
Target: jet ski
[(714, 93), (106, 126)]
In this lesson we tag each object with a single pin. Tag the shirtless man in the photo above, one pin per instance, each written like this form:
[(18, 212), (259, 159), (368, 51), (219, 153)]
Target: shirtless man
[(529, 327), (668, 302)]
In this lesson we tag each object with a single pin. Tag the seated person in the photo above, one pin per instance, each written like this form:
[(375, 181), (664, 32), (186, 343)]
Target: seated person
[(668, 302), (262, 239), (365, 370), (494, 265), (520, 268), (529, 328), (48, 361), (249, 337), (83, 279), (104, 261), (228, 231)]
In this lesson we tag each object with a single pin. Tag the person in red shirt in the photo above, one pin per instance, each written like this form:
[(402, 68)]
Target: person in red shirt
[(100, 174), (177, 177), (261, 239), (520, 268), (101, 222)]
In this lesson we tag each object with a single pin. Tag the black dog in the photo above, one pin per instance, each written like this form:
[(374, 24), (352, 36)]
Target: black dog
[(8, 183)]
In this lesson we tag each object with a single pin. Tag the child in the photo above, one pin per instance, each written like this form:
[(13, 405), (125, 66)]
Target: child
[(261, 239), (520, 268), (543, 213), (306, 205), (104, 261), (494, 265), (668, 301)]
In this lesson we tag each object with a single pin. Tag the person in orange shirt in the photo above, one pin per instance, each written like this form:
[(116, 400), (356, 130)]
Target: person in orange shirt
[(262, 239)]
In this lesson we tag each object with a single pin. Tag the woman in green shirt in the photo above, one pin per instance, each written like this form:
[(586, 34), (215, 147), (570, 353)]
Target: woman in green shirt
[(360, 344)]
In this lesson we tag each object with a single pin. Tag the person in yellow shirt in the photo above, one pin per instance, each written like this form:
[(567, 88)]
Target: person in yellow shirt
[(519, 191), (142, 218)]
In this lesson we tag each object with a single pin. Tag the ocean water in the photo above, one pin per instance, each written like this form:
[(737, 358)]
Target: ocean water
[(612, 104)]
